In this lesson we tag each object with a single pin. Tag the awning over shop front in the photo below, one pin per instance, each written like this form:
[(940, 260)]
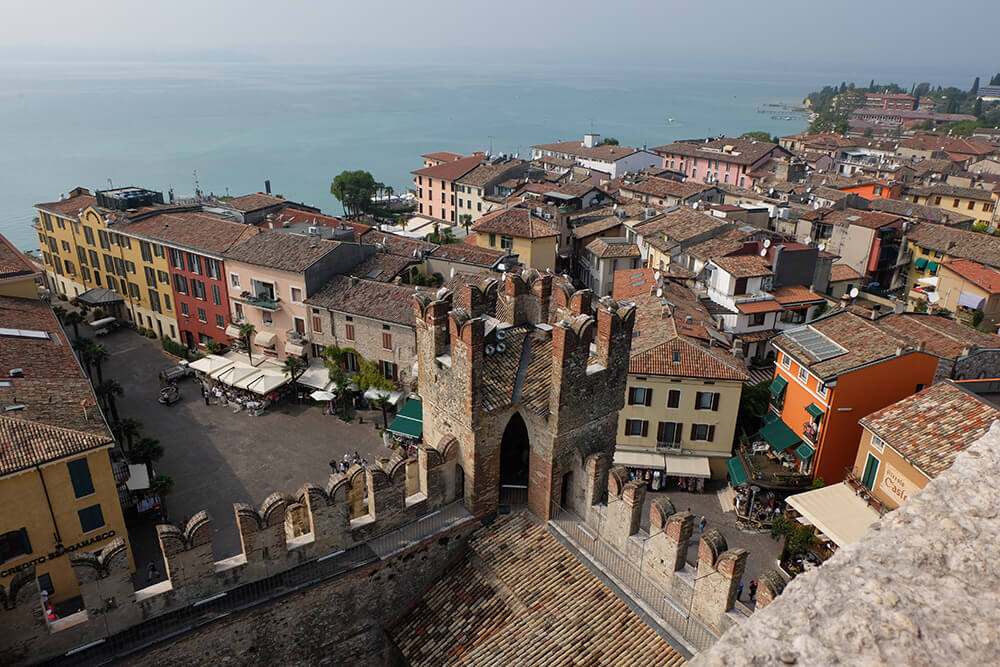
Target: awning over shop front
[(737, 473), (932, 267), (265, 338), (920, 263), (778, 385), (233, 331), (316, 376), (779, 436), (836, 511), (640, 459), (295, 349), (234, 373), (971, 301), (814, 410), (688, 466), (99, 296), (804, 452), (373, 394), (211, 363), (409, 422)]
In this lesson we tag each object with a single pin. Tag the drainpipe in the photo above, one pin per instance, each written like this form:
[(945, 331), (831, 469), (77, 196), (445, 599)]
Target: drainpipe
[(48, 501)]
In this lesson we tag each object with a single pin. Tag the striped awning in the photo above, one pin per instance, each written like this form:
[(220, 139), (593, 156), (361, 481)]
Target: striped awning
[(265, 338)]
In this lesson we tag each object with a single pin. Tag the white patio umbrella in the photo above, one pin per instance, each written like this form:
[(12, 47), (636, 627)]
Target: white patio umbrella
[(321, 395)]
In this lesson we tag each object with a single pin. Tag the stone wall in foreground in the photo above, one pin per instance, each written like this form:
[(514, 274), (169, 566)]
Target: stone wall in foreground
[(920, 588)]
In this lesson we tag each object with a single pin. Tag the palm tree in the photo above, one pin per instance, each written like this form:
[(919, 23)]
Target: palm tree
[(82, 347), (466, 222), (162, 486), (128, 429), (146, 451), (60, 313), (294, 367), (107, 390), (247, 332), (74, 318), (97, 355)]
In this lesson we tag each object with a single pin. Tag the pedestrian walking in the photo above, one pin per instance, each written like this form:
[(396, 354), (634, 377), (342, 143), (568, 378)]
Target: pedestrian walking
[(205, 395), (753, 591), (739, 591), (701, 526), (151, 572), (334, 468)]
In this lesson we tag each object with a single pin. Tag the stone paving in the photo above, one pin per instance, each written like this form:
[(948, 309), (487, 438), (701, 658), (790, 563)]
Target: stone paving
[(216, 457)]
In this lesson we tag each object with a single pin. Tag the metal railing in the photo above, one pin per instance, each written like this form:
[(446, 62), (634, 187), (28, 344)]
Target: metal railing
[(673, 608), (126, 640)]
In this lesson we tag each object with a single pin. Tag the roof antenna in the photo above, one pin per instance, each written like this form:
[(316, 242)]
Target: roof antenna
[(111, 186), (197, 186)]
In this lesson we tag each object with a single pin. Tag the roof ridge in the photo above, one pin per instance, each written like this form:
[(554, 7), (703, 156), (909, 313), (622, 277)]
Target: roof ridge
[(51, 427)]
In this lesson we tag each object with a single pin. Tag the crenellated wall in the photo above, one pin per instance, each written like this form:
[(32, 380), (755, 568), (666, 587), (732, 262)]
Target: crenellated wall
[(287, 534)]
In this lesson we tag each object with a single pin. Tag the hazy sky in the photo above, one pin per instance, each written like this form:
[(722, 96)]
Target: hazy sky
[(893, 34)]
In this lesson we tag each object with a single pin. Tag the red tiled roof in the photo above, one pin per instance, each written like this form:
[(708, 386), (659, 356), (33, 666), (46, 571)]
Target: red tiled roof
[(743, 266), (665, 187), (69, 207), (607, 248), (24, 444), (452, 170), (932, 427), (750, 307), (468, 254), (694, 360), (943, 336), (744, 151), (841, 272), (443, 156), (853, 216), (13, 263), (191, 229), (253, 202), (792, 294), (281, 251), (630, 283), (367, 298), (953, 242), (982, 276), (576, 148), (517, 221)]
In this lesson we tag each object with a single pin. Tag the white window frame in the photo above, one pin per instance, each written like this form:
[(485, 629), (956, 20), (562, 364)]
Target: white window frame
[(291, 293), (822, 389), (234, 280), (878, 444), (803, 373), (786, 361), (707, 428)]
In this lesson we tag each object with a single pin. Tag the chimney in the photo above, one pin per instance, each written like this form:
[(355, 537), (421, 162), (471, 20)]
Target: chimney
[(354, 280), (267, 186), (874, 315), (921, 346)]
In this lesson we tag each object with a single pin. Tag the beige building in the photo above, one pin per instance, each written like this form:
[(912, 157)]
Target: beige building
[(270, 275), (907, 444), (520, 231), (472, 189), (374, 321), (683, 391), (965, 286)]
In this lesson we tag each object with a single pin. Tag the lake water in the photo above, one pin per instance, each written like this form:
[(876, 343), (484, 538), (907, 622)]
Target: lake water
[(155, 125)]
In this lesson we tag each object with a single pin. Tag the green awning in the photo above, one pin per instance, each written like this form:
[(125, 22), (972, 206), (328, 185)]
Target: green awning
[(409, 422), (920, 263), (932, 267), (779, 436), (778, 385), (769, 417), (737, 473), (804, 452), (814, 410)]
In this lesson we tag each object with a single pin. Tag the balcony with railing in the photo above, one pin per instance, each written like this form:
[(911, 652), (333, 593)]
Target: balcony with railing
[(764, 470), (865, 493), (263, 300), (810, 432)]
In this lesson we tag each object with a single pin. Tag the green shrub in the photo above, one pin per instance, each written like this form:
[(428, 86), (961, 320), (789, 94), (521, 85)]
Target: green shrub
[(979, 227), (150, 334)]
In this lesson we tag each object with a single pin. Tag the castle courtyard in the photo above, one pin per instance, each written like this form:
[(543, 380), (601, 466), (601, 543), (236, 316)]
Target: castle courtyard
[(217, 458)]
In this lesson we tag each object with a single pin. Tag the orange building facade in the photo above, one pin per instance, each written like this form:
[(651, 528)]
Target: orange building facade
[(823, 412), (876, 189)]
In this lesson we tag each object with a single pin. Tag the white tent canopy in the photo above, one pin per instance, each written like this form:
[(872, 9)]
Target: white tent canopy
[(211, 364), (373, 394), (233, 374), (316, 376), (266, 383), (244, 381), (837, 511)]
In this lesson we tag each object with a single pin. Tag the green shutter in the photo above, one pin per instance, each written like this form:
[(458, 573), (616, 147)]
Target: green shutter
[(778, 385), (871, 470), (932, 267), (920, 263), (79, 474), (814, 410)]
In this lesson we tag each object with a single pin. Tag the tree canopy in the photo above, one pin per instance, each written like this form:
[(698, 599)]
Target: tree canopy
[(354, 190), (760, 135), (609, 141)]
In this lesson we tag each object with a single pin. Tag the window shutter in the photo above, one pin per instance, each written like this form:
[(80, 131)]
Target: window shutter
[(674, 399), (631, 396), (715, 402), (697, 399), (25, 541), (711, 433), (694, 431), (661, 429), (649, 397), (645, 428), (677, 432)]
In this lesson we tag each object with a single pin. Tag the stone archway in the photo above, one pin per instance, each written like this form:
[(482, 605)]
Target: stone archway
[(514, 457)]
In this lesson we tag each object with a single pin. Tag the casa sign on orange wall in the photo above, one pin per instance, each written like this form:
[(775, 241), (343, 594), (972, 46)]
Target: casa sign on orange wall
[(895, 486)]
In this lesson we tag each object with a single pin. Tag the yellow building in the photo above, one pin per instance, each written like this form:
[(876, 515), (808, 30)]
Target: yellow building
[(82, 251), (931, 245), (974, 202), (57, 487), (18, 275), (519, 231), (682, 393)]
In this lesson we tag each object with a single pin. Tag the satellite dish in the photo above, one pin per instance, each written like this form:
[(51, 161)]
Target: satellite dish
[(854, 292), (490, 350), (767, 243), (659, 291), (763, 252), (656, 275), (501, 347)]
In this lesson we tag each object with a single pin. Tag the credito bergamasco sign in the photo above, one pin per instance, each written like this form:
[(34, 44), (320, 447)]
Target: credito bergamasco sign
[(60, 551)]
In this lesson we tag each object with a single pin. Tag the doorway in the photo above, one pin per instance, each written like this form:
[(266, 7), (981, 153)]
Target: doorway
[(514, 462)]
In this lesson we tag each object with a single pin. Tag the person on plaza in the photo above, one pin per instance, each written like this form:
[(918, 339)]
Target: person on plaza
[(151, 572), (739, 591), (701, 525), (205, 395), (333, 467), (753, 590)]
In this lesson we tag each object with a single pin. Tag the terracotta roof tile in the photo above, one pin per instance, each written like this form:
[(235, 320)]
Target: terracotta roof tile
[(383, 266), (607, 248), (693, 360), (920, 212), (745, 151), (792, 294), (367, 298), (723, 244), (932, 427), (191, 229), (517, 221), (982, 248), (70, 207), (976, 273), (253, 202), (24, 444), (468, 254), (444, 156), (665, 187), (630, 283), (576, 148), (451, 170), (519, 597), (841, 272), (743, 266), (13, 263), (943, 336), (750, 307), (680, 224), (284, 252)]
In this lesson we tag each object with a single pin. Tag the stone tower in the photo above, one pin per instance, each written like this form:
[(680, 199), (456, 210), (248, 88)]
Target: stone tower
[(521, 381)]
